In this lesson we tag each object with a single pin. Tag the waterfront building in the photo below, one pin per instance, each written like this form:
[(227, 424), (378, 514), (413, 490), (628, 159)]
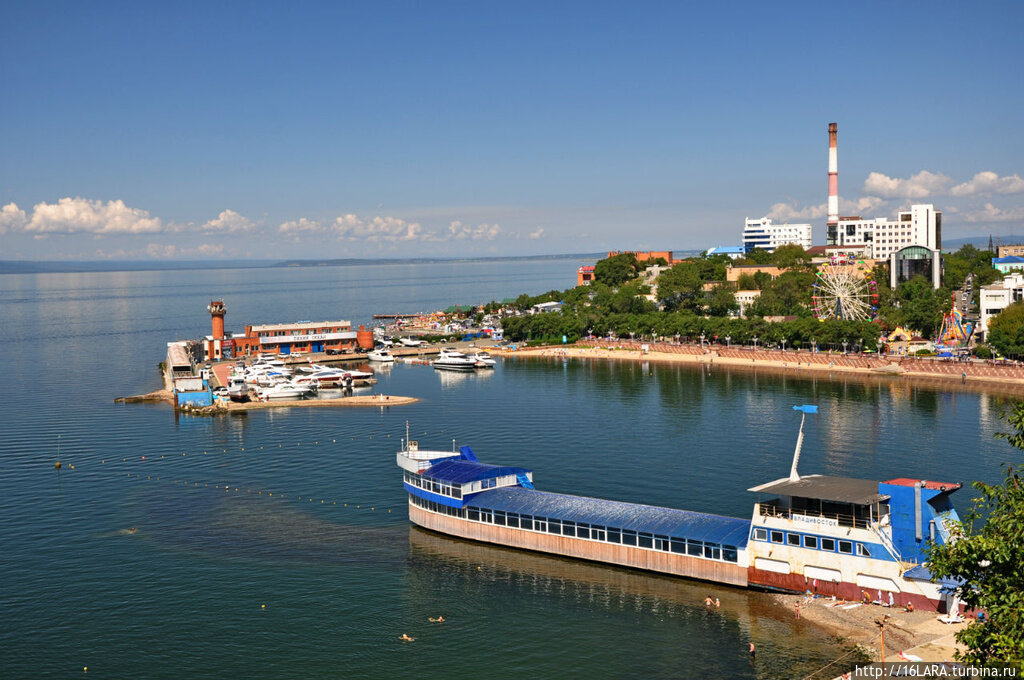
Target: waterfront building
[(911, 261), (996, 297), (745, 298), (584, 275), (281, 338), (1009, 263), (646, 255), (921, 225), (761, 233)]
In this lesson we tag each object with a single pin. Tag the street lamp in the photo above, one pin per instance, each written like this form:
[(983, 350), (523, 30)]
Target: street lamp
[(755, 343), (727, 339), (814, 345), (783, 344), (702, 340), (845, 343)]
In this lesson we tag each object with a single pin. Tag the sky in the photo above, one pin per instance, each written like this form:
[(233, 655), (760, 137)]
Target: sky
[(163, 131)]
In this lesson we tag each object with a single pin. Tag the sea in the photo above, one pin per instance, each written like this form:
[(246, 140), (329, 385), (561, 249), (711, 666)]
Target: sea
[(276, 544)]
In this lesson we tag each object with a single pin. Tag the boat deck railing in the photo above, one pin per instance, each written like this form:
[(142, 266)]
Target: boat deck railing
[(772, 510)]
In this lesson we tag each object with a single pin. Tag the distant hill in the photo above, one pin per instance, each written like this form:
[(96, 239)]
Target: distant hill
[(980, 241)]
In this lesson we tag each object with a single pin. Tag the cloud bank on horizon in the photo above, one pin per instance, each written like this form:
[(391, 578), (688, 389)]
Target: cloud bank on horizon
[(971, 201)]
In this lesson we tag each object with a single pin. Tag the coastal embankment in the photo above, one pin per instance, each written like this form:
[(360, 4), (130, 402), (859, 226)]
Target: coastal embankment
[(1001, 377)]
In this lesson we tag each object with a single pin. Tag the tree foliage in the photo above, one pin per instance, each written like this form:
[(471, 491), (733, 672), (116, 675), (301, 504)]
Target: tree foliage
[(616, 270), (987, 553), (1006, 330)]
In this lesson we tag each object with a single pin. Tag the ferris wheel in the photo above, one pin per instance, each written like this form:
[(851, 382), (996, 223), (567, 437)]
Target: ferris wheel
[(845, 291)]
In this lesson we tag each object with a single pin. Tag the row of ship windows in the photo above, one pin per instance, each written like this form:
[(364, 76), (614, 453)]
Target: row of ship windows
[(434, 486), (595, 532), (813, 542)]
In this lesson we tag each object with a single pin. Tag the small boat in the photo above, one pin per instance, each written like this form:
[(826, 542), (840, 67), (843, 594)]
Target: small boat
[(453, 360), (285, 392), (237, 389), (381, 355), (482, 359)]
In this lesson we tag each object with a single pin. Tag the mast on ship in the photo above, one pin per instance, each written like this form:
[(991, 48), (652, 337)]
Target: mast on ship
[(805, 409)]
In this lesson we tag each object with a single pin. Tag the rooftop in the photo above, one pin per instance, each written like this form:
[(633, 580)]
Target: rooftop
[(460, 471), (648, 518), (935, 486), (835, 489), (301, 325)]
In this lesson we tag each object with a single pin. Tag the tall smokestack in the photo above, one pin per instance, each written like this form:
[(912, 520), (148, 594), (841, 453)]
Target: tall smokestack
[(833, 176)]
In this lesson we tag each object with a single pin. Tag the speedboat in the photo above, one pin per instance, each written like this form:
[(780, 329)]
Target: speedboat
[(381, 355), (482, 359), (284, 392), (453, 360)]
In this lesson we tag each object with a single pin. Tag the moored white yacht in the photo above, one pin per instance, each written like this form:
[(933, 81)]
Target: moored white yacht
[(381, 355), (453, 360)]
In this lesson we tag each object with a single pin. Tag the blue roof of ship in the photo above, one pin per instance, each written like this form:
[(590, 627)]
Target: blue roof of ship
[(656, 520), (459, 471)]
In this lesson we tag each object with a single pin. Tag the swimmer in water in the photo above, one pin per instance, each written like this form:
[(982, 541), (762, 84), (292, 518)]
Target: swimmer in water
[(404, 637), (439, 619)]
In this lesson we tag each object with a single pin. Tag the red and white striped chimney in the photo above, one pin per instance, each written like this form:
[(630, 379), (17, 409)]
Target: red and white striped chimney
[(833, 176)]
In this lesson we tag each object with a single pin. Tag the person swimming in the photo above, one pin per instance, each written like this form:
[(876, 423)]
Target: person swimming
[(439, 619), (404, 637), (708, 602)]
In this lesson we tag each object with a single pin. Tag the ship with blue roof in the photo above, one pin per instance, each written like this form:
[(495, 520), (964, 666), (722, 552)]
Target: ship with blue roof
[(832, 536)]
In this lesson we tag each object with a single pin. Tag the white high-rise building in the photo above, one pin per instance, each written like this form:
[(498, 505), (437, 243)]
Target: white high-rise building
[(919, 226), (761, 233)]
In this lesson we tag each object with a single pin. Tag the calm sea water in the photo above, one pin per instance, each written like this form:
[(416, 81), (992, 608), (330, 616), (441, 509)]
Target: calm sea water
[(276, 544)]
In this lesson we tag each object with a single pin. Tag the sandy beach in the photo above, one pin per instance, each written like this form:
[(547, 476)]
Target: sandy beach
[(981, 376)]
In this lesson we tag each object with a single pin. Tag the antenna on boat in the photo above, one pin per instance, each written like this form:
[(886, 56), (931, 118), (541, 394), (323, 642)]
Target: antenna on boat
[(806, 408), (406, 434)]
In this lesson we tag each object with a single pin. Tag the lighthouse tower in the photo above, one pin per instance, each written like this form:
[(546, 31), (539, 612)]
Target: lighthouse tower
[(217, 311)]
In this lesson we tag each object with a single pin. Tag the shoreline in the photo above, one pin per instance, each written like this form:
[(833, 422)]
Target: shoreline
[(917, 633), (360, 400), (972, 377)]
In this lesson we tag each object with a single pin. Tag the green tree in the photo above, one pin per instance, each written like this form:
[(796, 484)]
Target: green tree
[(985, 554), (790, 255), (682, 287), (758, 256), (1006, 330), (617, 269)]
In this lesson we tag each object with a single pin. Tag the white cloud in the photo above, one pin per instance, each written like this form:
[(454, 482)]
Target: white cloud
[(170, 251), (74, 215), (301, 226), (921, 185), (12, 218), (990, 213), (229, 222), (482, 232), (537, 233), (989, 183), (791, 211), (862, 206), (354, 228)]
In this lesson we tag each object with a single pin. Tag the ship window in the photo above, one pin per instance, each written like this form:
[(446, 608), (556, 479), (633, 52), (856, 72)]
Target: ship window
[(760, 534), (435, 487), (693, 548), (811, 542), (729, 553), (513, 519), (525, 522), (828, 544), (645, 540), (776, 537), (554, 526), (499, 517), (474, 514), (678, 545), (540, 523), (614, 535), (661, 542), (597, 533), (862, 550), (568, 528), (793, 539), (846, 547), (583, 530), (628, 537), (457, 491)]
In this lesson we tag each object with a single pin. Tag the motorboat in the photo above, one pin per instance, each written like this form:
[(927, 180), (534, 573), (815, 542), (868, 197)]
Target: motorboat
[(237, 389), (453, 360), (482, 359), (381, 355), (285, 391)]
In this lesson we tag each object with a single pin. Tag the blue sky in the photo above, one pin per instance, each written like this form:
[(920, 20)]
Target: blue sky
[(267, 130)]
